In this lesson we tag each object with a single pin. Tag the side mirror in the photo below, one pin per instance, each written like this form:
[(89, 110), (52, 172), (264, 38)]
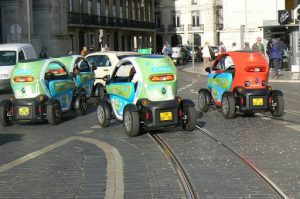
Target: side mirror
[(208, 69), (94, 67), (106, 78)]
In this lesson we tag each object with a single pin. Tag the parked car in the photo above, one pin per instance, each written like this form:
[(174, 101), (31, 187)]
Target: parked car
[(197, 53), (142, 94), (180, 55), (82, 72), (10, 54), (237, 82), (43, 89)]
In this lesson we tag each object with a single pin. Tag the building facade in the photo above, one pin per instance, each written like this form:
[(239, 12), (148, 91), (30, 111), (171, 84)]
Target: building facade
[(184, 22), (62, 25)]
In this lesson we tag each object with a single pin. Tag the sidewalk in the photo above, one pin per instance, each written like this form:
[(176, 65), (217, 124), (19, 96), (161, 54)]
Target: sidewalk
[(285, 76)]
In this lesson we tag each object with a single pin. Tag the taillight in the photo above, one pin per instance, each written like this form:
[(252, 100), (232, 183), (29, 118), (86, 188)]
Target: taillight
[(24, 79), (242, 101), (159, 78), (256, 69), (147, 115)]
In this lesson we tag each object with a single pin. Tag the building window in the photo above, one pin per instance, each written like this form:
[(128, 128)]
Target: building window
[(133, 11), (114, 8), (106, 7), (121, 9), (195, 18), (127, 9), (81, 6), (98, 7), (70, 5), (90, 7), (176, 21)]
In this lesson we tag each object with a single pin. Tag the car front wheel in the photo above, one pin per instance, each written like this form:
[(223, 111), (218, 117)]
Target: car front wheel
[(278, 103), (189, 119), (82, 104), (103, 112), (204, 99), (4, 119)]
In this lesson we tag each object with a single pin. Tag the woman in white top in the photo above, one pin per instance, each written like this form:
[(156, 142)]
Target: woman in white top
[(206, 54)]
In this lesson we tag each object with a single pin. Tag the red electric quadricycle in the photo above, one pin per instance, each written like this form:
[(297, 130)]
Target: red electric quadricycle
[(238, 82)]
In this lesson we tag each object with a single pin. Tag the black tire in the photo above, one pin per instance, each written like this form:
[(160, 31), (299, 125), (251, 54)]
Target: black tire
[(228, 105), (54, 113), (4, 119), (278, 101), (204, 100), (103, 114), (181, 61), (131, 122), (101, 92), (190, 120), (82, 104)]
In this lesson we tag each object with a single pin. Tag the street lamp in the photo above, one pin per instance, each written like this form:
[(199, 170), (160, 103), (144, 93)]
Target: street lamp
[(28, 22)]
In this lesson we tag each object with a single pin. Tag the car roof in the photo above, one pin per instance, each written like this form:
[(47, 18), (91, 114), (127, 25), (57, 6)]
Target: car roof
[(14, 46), (117, 53)]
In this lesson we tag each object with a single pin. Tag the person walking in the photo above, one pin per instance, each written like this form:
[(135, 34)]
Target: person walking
[(258, 47), (234, 47), (84, 51), (43, 54), (206, 54), (247, 46), (221, 48), (275, 57)]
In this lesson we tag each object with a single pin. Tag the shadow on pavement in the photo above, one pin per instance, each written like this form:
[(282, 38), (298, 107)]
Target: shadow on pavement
[(6, 138)]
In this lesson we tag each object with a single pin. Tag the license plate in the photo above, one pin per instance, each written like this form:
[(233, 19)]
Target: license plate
[(257, 101), (164, 116), (24, 111)]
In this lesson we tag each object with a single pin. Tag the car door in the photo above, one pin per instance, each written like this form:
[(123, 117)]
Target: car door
[(220, 81), (120, 89), (61, 86), (86, 77)]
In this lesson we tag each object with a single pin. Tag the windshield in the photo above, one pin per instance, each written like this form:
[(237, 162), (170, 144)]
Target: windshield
[(7, 58)]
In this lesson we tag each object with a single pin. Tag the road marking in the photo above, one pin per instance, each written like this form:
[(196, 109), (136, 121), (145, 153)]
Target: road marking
[(96, 127), (292, 111), (294, 127), (114, 169), (85, 132)]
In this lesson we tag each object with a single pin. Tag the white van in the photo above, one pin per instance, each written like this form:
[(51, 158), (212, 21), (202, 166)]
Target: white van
[(10, 54)]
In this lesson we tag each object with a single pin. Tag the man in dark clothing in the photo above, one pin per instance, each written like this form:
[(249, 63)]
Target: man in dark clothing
[(43, 54)]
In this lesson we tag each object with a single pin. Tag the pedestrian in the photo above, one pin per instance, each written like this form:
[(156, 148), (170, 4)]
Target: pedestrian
[(69, 52), (206, 54), (43, 54), (258, 47), (91, 49), (234, 47), (221, 48), (247, 46), (275, 56), (268, 51), (84, 51)]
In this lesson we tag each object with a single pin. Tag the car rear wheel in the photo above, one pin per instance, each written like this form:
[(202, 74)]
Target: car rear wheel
[(82, 104), (54, 113), (4, 119), (131, 122), (103, 113), (204, 99), (189, 119), (278, 102), (228, 105)]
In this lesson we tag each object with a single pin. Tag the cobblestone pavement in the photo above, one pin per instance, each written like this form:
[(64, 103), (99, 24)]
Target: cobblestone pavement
[(65, 161)]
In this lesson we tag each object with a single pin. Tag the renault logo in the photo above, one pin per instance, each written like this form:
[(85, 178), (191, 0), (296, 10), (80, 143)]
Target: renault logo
[(163, 90)]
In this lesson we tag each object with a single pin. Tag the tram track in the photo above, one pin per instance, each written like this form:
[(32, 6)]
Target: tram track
[(248, 163), (182, 176)]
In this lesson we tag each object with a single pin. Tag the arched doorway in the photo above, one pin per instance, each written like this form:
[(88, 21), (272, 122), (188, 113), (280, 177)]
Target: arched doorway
[(176, 40), (159, 43), (197, 39)]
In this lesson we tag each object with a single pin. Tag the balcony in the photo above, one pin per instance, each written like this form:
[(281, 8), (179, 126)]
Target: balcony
[(196, 27), (77, 19), (219, 26), (160, 28), (178, 28)]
